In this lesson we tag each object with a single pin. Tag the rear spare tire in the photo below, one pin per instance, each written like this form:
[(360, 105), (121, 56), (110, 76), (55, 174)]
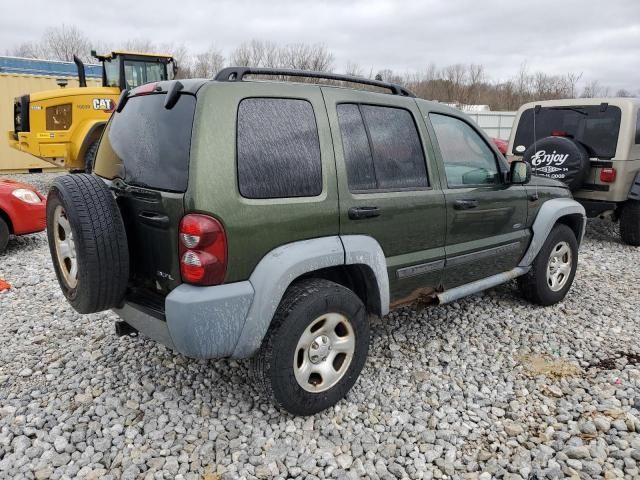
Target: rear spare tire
[(88, 243), (560, 158)]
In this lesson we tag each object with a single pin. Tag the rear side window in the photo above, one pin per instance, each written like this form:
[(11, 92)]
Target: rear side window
[(382, 148), (147, 145), (591, 125), (278, 149)]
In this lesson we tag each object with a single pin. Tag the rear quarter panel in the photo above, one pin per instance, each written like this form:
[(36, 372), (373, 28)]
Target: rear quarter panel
[(254, 227)]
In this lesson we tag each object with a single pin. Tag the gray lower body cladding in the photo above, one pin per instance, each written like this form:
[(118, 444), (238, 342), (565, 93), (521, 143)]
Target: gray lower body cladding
[(200, 322), (231, 320)]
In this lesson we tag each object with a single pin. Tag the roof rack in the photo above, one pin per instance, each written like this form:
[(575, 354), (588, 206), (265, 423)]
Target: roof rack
[(236, 74)]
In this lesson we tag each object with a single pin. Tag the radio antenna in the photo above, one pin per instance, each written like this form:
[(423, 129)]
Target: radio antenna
[(536, 110)]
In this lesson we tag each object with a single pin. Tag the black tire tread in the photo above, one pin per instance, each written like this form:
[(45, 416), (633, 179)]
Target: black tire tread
[(101, 243), (261, 362), (90, 156), (529, 283), (630, 223), (4, 235)]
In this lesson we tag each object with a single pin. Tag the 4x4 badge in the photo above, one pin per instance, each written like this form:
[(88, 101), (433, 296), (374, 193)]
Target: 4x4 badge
[(166, 276)]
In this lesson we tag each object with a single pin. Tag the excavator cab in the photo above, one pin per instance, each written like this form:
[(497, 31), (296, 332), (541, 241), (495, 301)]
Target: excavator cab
[(127, 70)]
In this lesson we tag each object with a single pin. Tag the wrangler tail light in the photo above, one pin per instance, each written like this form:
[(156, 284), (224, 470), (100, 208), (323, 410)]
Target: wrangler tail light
[(203, 250), (608, 175)]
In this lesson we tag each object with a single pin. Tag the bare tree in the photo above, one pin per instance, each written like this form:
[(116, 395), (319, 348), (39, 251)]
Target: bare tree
[(306, 57), (458, 83), (207, 64), (29, 50), (623, 93), (256, 53), (593, 89), (299, 56), (354, 69), (62, 43), (572, 83)]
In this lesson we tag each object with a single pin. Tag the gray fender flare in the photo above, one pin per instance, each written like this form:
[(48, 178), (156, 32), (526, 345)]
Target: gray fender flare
[(550, 212), (280, 267), (364, 250)]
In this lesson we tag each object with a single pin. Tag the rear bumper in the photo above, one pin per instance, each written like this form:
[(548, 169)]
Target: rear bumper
[(594, 208), (200, 322)]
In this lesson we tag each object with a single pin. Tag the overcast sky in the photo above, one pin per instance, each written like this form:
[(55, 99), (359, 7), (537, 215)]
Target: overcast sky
[(599, 39)]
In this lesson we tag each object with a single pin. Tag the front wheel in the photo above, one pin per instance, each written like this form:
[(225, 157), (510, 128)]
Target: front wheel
[(4, 235), (630, 223), (315, 348), (553, 269)]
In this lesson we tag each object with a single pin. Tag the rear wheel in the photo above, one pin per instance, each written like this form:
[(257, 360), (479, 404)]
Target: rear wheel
[(90, 157), (315, 348), (88, 243), (553, 269), (4, 235), (630, 223)]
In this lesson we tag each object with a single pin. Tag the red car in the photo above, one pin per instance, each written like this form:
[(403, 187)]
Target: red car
[(501, 144), (22, 210)]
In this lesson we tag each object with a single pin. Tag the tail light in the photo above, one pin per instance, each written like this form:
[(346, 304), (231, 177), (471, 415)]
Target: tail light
[(608, 175), (203, 250), (145, 89)]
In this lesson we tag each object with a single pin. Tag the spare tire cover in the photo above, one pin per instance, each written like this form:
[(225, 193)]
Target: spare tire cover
[(559, 158)]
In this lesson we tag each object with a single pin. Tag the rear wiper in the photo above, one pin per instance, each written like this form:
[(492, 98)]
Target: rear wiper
[(573, 109)]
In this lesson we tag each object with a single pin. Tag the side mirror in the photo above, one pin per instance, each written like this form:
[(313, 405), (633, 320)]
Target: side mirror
[(520, 172)]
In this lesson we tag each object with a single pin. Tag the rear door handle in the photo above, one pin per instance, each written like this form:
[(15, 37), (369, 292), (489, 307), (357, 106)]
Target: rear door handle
[(465, 204), (358, 213)]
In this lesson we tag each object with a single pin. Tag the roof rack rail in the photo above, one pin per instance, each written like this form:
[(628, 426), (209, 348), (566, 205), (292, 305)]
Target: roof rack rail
[(236, 74)]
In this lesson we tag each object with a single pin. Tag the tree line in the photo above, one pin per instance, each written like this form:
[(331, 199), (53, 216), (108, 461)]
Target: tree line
[(461, 84)]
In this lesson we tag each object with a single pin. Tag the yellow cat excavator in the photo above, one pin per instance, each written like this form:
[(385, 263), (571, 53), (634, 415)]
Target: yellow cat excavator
[(63, 126)]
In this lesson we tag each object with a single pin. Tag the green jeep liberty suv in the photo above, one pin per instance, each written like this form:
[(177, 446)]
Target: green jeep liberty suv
[(268, 219)]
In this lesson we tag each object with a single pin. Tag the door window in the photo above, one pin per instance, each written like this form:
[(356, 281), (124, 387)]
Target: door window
[(138, 73), (382, 148), (468, 160), (112, 72), (278, 149)]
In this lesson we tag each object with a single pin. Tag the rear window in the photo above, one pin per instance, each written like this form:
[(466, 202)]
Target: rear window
[(278, 149), (147, 145), (594, 128)]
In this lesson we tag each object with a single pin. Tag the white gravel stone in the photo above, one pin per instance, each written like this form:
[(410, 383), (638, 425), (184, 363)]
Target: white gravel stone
[(447, 391)]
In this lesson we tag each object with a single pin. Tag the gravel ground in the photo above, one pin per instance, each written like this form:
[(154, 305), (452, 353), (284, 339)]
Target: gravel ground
[(487, 387)]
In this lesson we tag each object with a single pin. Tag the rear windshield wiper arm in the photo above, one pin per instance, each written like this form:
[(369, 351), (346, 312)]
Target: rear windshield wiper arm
[(573, 109)]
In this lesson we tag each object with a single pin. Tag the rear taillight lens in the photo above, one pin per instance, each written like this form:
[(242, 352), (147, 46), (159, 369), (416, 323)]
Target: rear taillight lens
[(203, 250), (608, 175)]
